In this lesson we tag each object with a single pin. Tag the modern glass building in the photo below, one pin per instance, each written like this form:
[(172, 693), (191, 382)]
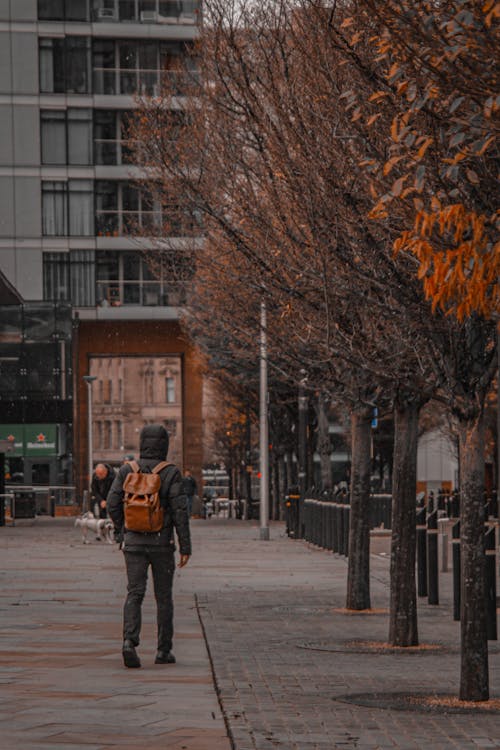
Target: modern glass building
[(70, 204)]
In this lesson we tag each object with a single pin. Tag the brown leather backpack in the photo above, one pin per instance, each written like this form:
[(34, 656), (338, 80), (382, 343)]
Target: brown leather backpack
[(143, 511)]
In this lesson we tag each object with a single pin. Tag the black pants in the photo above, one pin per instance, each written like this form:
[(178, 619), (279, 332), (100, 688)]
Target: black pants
[(162, 564)]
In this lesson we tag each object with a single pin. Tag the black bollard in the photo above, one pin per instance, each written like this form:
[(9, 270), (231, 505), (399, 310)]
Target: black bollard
[(455, 546), (432, 559), (329, 528), (341, 529), (421, 552), (335, 529), (491, 584), (347, 518)]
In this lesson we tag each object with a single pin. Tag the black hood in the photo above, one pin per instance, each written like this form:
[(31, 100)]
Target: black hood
[(154, 442)]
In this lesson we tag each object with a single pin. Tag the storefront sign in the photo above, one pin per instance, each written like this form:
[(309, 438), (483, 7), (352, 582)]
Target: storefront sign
[(31, 439)]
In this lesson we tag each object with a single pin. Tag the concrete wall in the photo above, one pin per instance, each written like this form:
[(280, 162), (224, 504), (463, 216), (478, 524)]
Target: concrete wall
[(25, 63), (26, 120), (18, 10)]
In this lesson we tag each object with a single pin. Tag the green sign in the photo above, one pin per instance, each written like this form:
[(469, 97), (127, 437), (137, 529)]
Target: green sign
[(40, 440), (31, 439), (14, 433)]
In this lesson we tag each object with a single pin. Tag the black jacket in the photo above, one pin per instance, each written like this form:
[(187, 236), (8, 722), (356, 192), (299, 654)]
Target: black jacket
[(101, 487), (153, 450)]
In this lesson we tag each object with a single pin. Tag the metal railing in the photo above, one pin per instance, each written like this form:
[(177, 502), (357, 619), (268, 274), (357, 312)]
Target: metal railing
[(32, 500), (142, 81)]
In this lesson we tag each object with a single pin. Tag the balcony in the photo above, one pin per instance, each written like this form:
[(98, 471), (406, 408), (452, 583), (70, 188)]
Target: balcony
[(147, 11), (130, 82), (113, 152), (145, 293), (119, 223)]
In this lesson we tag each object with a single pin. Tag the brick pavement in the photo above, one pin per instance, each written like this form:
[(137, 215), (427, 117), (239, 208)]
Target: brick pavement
[(281, 646), (288, 659)]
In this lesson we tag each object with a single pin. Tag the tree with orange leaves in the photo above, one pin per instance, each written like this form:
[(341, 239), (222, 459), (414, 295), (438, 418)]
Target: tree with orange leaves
[(440, 63)]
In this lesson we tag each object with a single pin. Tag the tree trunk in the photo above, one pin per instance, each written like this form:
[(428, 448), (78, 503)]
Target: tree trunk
[(474, 664), (403, 608), (324, 448), (358, 576)]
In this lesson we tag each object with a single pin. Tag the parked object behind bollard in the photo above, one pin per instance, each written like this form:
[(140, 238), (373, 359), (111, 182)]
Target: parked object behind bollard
[(443, 538), (432, 558), (421, 552), (491, 584), (292, 512)]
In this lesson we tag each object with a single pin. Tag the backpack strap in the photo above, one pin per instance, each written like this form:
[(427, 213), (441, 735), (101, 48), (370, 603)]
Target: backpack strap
[(134, 466), (159, 467)]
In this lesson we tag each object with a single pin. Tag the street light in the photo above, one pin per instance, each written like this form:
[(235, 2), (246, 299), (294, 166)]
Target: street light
[(264, 429), (89, 379)]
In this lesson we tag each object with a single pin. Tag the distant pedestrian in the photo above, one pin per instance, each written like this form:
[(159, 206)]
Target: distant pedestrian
[(102, 479), (190, 488), (142, 548)]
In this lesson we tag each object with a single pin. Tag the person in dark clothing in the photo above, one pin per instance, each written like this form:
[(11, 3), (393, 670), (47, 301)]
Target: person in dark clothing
[(102, 479), (191, 489), (155, 549)]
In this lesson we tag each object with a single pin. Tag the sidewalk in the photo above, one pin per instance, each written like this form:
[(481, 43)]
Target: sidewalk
[(62, 682), (293, 670)]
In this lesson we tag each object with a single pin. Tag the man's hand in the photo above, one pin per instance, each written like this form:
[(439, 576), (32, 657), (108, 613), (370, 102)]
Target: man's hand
[(103, 503), (183, 561)]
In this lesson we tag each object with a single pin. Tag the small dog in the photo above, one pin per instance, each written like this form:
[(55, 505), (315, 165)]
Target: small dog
[(102, 527)]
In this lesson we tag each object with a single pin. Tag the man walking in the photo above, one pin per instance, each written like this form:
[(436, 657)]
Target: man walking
[(191, 488), (155, 549)]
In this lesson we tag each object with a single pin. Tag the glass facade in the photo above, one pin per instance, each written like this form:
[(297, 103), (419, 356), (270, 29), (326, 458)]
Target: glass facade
[(35, 362)]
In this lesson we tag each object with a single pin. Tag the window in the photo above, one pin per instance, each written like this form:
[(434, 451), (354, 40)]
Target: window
[(51, 10), (130, 67), (54, 209), (171, 11), (66, 136), (63, 10), (110, 137), (53, 136), (70, 276), (119, 435), (170, 390), (107, 396), (98, 435), (124, 278), (81, 208), (123, 209), (79, 129), (108, 436), (65, 65), (67, 208)]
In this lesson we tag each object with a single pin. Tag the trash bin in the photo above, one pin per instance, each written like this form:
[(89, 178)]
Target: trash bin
[(25, 504)]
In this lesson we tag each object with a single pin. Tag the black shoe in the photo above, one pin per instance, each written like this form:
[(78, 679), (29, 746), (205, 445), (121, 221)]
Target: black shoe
[(130, 658), (164, 657)]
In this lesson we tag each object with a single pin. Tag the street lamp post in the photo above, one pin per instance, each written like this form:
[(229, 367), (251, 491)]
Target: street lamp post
[(89, 379), (264, 429)]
